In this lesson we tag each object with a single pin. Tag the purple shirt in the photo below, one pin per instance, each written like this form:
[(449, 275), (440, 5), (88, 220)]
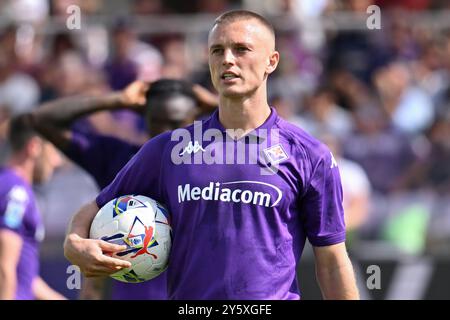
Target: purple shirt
[(120, 73), (238, 233), (103, 157), (19, 213)]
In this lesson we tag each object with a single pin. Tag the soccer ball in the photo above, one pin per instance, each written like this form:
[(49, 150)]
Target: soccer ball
[(142, 224)]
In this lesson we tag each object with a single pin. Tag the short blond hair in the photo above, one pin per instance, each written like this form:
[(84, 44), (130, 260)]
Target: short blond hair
[(236, 15)]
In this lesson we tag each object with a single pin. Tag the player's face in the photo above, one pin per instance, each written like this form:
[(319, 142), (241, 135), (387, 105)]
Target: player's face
[(241, 55), (46, 163), (170, 113)]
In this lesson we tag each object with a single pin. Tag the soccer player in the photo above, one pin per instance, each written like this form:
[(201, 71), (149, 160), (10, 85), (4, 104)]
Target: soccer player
[(31, 160), (239, 227), (168, 104)]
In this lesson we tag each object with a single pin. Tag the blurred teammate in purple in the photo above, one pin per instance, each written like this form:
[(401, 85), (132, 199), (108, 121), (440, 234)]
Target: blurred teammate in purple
[(168, 104), (239, 226), (31, 160)]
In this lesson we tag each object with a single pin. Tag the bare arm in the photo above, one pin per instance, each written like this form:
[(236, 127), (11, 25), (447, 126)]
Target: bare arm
[(10, 247), (53, 119), (334, 273), (208, 101), (92, 288), (42, 291), (88, 254), (62, 112)]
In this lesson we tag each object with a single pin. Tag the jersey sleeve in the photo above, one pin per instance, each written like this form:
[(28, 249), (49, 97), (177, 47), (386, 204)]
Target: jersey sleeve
[(321, 205), (15, 206), (141, 175)]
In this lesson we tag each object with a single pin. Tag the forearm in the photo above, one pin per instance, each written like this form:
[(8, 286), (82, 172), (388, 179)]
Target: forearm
[(62, 112), (337, 281), (88, 254), (92, 288), (42, 291), (82, 220), (208, 101), (78, 230), (7, 284)]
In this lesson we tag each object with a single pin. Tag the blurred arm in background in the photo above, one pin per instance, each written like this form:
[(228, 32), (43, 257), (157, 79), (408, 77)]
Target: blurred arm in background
[(206, 99), (10, 248), (42, 291), (53, 119)]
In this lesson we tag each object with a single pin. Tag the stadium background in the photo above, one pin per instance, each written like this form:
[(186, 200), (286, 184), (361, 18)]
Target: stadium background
[(380, 98)]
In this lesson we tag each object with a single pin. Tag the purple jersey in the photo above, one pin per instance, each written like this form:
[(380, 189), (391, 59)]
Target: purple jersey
[(239, 227), (19, 213), (103, 157)]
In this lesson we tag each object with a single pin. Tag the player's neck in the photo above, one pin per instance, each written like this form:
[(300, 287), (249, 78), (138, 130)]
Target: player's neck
[(245, 113), (23, 167)]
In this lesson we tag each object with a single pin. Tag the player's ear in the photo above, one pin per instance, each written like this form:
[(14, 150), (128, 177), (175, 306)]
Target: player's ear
[(272, 62), (34, 147)]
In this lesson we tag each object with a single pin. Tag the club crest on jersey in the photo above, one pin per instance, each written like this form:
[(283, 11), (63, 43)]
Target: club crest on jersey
[(124, 203), (275, 154)]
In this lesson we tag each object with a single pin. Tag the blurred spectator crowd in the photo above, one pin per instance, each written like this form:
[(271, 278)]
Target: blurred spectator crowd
[(379, 98)]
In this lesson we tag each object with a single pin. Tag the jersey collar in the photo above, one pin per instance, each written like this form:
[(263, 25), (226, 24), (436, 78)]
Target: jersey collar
[(259, 132)]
